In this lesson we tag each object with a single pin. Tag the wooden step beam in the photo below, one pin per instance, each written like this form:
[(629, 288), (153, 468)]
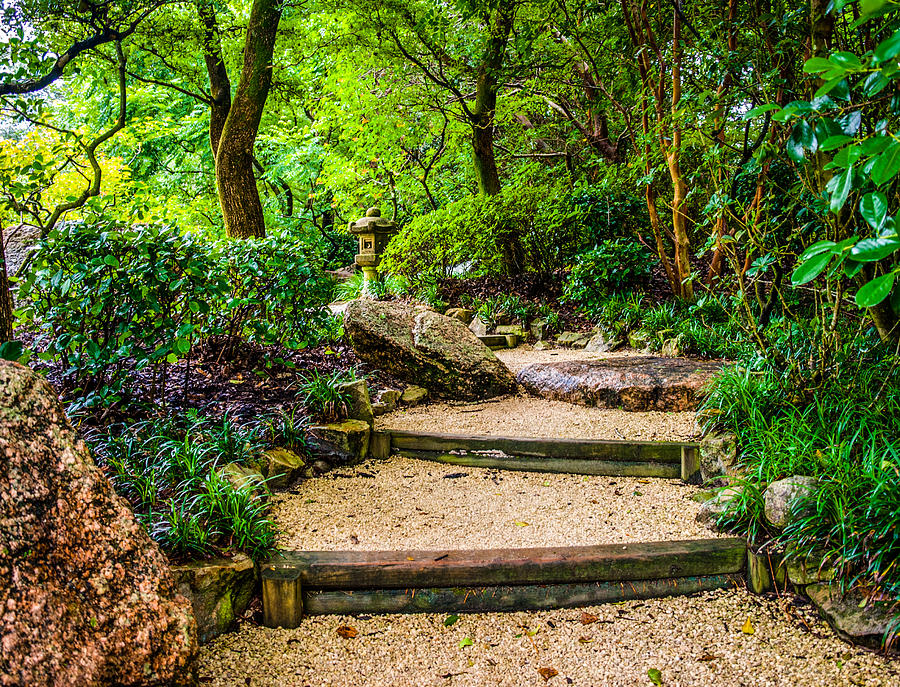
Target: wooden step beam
[(571, 466), (354, 570), (586, 449), (506, 597)]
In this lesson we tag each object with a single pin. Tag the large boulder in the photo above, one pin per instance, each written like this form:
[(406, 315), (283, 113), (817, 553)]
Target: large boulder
[(425, 348), (852, 616), (87, 597), (633, 383)]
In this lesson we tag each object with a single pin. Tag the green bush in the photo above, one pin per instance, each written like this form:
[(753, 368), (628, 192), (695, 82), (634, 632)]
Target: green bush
[(537, 225), (323, 396), (109, 300), (611, 267)]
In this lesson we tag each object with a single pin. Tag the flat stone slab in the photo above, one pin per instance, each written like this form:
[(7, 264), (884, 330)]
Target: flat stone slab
[(635, 383)]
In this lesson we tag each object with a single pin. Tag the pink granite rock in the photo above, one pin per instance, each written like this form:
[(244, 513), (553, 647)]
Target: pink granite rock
[(632, 383), (86, 597)]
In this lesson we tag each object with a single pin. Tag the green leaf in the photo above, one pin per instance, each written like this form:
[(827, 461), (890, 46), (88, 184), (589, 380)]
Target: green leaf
[(809, 270), (817, 249), (886, 165), (833, 142), (756, 111), (451, 620), (465, 641), (875, 83), (829, 86), (841, 190), (655, 676), (875, 291), (172, 358), (888, 48), (871, 6), (817, 64), (111, 260), (871, 250), (873, 208)]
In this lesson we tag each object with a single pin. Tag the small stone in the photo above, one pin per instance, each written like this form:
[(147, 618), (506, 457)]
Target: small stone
[(714, 508), (542, 346), (782, 497), (413, 395), (464, 315), (340, 443), (359, 404), (568, 338), (478, 326), (538, 329), (851, 616), (718, 455), (598, 344), (671, 347), (220, 590), (282, 467), (638, 340), (810, 569), (244, 477), (389, 398), (321, 467)]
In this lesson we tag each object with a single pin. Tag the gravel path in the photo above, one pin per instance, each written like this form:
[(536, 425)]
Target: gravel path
[(692, 641), (524, 416), (408, 504)]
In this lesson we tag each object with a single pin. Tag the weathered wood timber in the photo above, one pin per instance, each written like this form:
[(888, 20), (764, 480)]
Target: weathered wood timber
[(563, 465), (505, 597), (349, 570), (282, 596), (690, 465), (596, 449)]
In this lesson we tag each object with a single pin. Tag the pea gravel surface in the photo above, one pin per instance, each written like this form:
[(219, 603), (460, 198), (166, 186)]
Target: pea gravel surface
[(724, 638), (408, 504)]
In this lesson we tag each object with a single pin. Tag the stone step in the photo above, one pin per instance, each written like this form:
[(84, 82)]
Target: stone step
[(497, 341), (350, 582), (663, 459)]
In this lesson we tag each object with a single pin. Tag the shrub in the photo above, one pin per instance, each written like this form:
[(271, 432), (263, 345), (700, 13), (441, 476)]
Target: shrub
[(323, 396), (111, 300), (611, 267)]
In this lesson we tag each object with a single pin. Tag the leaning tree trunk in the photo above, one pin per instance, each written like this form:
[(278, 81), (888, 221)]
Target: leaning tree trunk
[(6, 305), (238, 193), (219, 82)]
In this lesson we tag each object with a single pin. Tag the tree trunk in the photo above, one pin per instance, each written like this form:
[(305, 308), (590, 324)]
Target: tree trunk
[(6, 305), (238, 193), (481, 117), (219, 83)]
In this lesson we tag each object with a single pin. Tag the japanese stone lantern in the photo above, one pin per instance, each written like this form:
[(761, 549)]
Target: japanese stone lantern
[(374, 232)]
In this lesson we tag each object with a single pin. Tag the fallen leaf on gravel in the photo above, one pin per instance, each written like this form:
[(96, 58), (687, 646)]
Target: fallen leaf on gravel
[(586, 639), (655, 676), (748, 628), (450, 620), (519, 523), (465, 641), (588, 618), (347, 632), (547, 673), (707, 657)]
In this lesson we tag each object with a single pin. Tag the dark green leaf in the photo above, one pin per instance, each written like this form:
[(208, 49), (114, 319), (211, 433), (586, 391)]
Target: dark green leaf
[(841, 190), (888, 48), (873, 208), (887, 165), (810, 269), (875, 291), (870, 250)]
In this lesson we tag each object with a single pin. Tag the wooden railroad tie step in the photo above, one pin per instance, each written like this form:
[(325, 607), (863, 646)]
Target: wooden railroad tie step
[(576, 456), (499, 579)]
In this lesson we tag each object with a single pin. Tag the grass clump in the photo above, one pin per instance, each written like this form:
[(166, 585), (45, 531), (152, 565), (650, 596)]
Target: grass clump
[(324, 396)]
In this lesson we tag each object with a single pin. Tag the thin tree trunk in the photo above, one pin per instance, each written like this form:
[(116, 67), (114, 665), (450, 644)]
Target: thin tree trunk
[(219, 83), (238, 193), (6, 304)]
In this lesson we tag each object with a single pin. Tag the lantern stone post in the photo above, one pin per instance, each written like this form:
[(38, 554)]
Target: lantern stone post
[(374, 232)]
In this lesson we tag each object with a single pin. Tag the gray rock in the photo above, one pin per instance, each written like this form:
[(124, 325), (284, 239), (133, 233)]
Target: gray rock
[(425, 348), (320, 467), (638, 340), (810, 569), (671, 347), (359, 404), (220, 591), (851, 616), (478, 326), (386, 401), (782, 497), (718, 505), (87, 597), (634, 383), (718, 455), (340, 443), (464, 315), (542, 346), (510, 329), (19, 242), (598, 344), (245, 477), (413, 395), (283, 467), (568, 338), (539, 329)]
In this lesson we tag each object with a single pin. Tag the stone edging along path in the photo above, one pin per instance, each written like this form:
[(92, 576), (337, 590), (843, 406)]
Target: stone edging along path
[(353, 582)]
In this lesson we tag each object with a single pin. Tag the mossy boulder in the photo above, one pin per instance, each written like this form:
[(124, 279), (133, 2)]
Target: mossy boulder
[(425, 348)]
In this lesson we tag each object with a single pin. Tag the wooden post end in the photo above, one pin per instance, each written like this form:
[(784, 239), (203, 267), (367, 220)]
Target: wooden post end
[(282, 596)]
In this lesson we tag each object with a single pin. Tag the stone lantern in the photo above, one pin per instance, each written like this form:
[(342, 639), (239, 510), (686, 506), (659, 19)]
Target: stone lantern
[(374, 233)]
